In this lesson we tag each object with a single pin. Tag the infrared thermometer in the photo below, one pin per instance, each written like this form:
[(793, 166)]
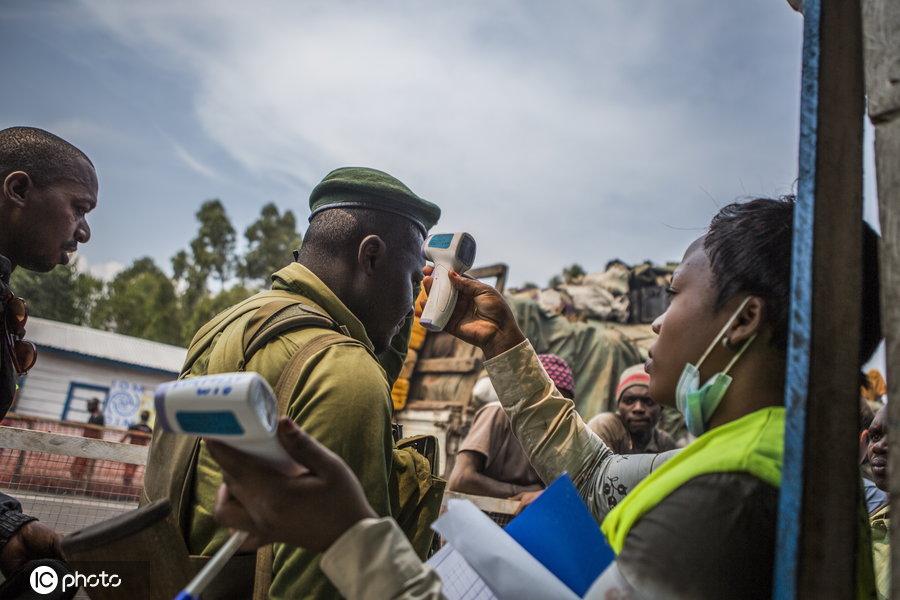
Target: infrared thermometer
[(237, 409), (448, 252)]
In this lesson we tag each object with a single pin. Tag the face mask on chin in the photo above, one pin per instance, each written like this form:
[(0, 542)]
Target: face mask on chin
[(697, 403)]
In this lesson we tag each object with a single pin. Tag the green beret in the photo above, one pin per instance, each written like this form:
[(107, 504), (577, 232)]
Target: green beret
[(361, 187)]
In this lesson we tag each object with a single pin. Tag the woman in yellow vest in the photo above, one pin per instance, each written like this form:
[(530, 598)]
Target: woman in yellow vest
[(702, 522)]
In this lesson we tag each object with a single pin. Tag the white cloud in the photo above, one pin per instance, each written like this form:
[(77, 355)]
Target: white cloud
[(555, 133), (105, 270), (192, 162)]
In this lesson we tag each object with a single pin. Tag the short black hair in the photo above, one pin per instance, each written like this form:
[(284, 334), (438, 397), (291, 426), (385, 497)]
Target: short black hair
[(46, 158), (337, 232), (749, 248)]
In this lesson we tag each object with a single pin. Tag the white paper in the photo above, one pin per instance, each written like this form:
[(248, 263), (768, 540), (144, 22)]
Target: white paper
[(507, 568), (461, 582)]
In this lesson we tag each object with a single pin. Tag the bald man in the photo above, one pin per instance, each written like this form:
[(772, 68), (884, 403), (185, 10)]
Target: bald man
[(49, 187)]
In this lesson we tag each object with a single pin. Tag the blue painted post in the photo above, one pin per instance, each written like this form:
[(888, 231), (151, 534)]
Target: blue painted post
[(818, 505), (797, 383)]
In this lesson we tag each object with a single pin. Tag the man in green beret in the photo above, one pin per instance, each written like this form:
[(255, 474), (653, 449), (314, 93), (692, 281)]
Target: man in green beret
[(359, 267)]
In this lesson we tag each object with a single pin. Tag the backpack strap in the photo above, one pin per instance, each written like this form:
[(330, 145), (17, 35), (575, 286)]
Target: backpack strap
[(206, 335), (287, 381), (279, 316), (268, 321)]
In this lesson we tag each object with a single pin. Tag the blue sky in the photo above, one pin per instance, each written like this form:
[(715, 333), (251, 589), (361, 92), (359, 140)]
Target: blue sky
[(553, 132)]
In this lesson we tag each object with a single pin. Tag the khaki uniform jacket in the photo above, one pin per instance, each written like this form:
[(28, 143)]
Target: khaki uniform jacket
[(880, 523), (342, 398), (373, 560)]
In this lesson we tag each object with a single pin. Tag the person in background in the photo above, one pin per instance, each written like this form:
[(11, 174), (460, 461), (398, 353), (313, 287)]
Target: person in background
[(95, 418), (876, 439), (633, 428), (491, 461), (83, 466), (48, 188), (875, 498), (142, 427)]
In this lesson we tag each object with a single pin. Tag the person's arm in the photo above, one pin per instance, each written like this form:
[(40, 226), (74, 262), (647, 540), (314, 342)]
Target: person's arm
[(556, 438), (481, 447), (22, 537), (374, 560), (551, 431), (612, 431), (324, 510), (468, 477)]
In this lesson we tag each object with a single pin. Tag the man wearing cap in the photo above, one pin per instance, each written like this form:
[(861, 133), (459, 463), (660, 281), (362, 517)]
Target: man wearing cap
[(360, 266), (491, 461), (632, 429)]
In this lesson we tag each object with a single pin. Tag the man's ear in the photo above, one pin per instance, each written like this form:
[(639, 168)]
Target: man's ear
[(372, 251), (16, 186), (749, 321)]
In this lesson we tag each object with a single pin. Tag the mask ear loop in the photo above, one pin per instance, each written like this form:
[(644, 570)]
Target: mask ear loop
[(739, 353), (722, 334)]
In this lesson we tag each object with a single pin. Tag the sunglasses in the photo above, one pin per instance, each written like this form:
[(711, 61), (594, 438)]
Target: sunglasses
[(15, 313)]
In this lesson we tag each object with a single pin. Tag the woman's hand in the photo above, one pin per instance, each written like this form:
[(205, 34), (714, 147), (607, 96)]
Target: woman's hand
[(481, 316), (311, 510)]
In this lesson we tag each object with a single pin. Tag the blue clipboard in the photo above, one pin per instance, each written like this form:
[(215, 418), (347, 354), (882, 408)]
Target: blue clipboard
[(558, 530)]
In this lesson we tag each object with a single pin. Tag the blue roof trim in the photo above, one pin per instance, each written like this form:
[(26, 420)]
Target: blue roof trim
[(106, 361)]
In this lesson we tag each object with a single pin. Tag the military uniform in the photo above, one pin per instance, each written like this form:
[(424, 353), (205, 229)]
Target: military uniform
[(342, 399), (341, 395)]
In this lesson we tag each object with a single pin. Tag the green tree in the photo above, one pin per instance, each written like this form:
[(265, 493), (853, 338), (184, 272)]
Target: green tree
[(270, 241), (213, 248), (555, 282), (63, 294), (141, 301), (190, 281), (209, 306), (181, 264)]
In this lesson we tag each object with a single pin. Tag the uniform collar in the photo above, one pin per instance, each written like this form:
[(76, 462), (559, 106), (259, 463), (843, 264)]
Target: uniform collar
[(300, 280)]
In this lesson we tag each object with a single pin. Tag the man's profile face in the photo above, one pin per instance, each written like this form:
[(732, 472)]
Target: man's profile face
[(52, 221), (877, 450), (637, 410), (392, 301)]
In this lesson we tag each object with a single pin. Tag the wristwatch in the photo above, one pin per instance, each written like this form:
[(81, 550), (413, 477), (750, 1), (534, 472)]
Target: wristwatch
[(10, 523)]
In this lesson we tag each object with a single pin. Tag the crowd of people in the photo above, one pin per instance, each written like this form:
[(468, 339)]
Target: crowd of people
[(696, 521)]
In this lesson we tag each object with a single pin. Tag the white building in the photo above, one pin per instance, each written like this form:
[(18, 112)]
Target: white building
[(77, 363)]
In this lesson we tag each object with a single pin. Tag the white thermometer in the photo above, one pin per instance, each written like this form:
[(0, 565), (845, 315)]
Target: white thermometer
[(448, 251), (237, 409)]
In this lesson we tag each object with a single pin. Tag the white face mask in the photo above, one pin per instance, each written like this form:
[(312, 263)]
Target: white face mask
[(697, 403)]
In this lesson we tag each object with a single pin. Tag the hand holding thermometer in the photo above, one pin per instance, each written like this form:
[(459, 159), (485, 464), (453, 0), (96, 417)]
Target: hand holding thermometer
[(448, 252), (238, 409)]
